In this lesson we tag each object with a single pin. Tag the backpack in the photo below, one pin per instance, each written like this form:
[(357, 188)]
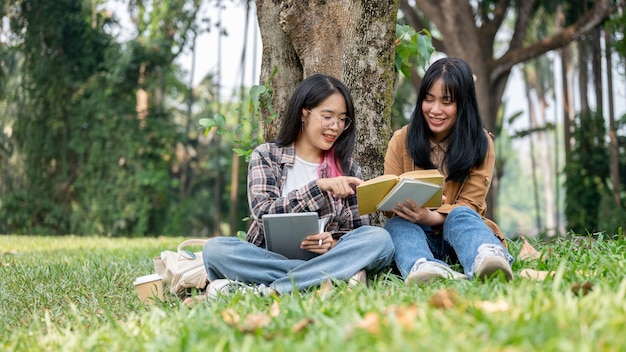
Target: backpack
[(182, 271)]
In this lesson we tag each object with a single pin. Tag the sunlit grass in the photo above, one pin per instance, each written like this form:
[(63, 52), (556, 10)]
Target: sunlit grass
[(76, 294)]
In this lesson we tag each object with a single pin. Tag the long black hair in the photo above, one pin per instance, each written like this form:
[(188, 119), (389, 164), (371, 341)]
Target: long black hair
[(467, 142), (309, 94)]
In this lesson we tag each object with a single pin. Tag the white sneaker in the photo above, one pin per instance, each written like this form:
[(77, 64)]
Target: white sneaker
[(225, 287), (424, 271), (360, 278), (490, 262)]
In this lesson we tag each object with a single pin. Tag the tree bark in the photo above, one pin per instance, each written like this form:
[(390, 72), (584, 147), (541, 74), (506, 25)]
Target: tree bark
[(351, 40)]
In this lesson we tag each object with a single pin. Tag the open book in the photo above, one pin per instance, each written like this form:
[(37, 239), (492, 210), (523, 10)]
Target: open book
[(424, 187)]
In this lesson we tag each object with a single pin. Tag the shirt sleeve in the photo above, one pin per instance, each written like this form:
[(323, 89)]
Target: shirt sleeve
[(265, 178)]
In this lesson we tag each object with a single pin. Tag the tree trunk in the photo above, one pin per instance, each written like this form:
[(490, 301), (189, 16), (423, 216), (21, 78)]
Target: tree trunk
[(596, 67), (565, 55), (613, 147), (533, 124), (351, 40), (583, 82)]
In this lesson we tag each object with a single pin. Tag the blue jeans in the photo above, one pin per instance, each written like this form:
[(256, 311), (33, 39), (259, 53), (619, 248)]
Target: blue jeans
[(462, 233), (367, 247)]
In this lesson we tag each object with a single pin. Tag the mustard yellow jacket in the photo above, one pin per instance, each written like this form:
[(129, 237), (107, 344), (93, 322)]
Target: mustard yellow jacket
[(471, 193)]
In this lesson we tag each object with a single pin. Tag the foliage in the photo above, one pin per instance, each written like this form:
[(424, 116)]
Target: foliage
[(403, 103), (412, 47), (586, 173), (90, 166), (76, 294), (246, 134), (55, 70), (617, 27)]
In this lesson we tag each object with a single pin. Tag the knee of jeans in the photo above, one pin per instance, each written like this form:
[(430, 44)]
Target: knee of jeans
[(214, 248), (462, 211), (373, 233), (393, 222)]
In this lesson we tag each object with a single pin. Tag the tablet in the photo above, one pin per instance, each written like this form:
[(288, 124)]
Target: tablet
[(285, 231)]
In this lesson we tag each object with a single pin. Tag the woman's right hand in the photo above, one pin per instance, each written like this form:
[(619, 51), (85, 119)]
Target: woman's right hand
[(341, 186)]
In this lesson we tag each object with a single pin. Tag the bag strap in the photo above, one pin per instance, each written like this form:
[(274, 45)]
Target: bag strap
[(189, 242)]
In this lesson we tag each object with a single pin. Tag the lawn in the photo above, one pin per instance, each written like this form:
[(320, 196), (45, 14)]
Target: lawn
[(76, 294)]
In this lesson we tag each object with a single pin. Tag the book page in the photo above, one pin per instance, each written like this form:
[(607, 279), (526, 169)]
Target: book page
[(432, 176), (418, 191)]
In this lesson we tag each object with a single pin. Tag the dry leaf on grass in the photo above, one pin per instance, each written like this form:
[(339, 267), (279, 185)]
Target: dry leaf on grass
[(254, 322), (230, 317), (582, 289), (370, 323), (492, 307), (528, 252), (444, 298), (539, 275), (326, 288), (302, 324), (194, 300), (406, 316), (275, 309)]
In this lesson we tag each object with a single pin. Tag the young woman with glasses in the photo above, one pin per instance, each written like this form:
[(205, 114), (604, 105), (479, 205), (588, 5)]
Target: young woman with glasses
[(308, 168)]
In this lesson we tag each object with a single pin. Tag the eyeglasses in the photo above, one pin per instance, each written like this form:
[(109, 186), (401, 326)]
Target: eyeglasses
[(329, 121)]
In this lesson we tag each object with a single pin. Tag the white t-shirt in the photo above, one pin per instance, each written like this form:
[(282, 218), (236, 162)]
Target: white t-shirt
[(300, 174)]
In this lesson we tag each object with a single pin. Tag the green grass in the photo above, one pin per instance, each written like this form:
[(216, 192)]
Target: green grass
[(76, 294)]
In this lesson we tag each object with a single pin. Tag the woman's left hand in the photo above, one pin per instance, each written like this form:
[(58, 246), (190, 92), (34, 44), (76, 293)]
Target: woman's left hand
[(319, 243), (410, 211)]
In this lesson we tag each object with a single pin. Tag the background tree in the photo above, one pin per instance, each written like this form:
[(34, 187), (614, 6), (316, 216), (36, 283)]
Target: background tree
[(101, 136), (91, 163), (469, 30), (352, 40)]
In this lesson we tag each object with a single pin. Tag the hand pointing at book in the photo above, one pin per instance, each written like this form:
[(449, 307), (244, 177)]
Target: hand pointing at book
[(340, 187)]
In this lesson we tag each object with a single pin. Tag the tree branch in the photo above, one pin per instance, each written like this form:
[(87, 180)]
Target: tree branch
[(524, 15), (592, 18), (491, 26)]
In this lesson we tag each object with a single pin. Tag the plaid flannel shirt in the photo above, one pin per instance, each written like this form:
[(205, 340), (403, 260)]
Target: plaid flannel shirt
[(266, 179)]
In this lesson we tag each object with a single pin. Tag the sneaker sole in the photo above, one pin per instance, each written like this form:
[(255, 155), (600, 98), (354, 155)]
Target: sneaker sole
[(493, 267), (421, 278), (424, 277)]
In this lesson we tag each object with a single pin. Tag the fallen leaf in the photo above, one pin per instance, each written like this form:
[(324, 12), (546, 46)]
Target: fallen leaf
[(275, 309), (255, 321), (539, 275), (444, 298), (302, 324), (194, 300), (230, 317), (370, 323), (406, 316), (492, 307), (528, 252), (326, 288), (582, 289)]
